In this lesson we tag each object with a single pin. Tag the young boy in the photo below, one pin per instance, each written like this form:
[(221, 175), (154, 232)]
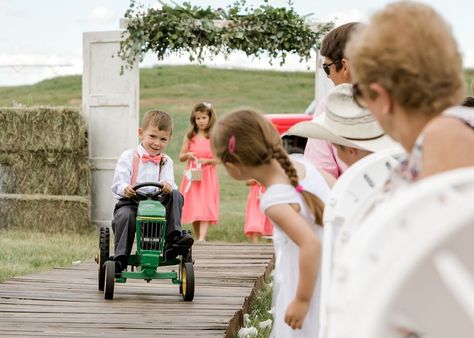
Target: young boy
[(146, 163)]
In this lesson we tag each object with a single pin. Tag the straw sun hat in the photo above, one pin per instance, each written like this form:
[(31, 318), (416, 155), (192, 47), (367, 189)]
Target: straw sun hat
[(345, 123)]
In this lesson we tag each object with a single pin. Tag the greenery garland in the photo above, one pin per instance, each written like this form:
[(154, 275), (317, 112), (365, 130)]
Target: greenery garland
[(187, 28)]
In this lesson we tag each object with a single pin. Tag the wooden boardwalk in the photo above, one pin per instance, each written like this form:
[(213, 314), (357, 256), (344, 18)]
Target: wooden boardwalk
[(65, 302)]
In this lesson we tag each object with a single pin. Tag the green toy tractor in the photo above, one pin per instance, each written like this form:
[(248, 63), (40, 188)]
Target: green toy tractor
[(150, 246)]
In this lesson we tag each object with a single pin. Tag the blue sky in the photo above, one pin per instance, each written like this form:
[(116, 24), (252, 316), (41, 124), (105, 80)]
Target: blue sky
[(50, 31)]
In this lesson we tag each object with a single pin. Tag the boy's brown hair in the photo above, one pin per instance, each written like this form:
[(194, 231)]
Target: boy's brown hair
[(410, 51), (157, 119), (334, 43), (202, 107), (247, 138)]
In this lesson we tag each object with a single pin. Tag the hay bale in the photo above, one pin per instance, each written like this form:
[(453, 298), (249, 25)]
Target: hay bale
[(47, 129), (43, 150), (45, 173), (45, 213)]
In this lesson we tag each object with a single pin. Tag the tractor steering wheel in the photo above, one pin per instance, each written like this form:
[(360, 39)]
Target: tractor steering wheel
[(148, 195)]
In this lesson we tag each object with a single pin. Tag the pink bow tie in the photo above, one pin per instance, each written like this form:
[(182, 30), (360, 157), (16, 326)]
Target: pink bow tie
[(155, 159)]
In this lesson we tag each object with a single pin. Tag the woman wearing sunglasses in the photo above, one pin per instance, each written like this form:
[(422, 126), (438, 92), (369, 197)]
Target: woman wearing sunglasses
[(408, 72)]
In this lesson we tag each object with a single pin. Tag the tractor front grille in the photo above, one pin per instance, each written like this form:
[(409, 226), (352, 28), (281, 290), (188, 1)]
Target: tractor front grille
[(151, 235)]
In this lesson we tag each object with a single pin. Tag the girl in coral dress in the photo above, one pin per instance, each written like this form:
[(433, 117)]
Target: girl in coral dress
[(200, 186), (257, 224)]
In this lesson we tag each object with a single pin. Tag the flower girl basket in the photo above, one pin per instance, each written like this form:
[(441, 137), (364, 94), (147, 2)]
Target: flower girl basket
[(196, 172), (193, 174)]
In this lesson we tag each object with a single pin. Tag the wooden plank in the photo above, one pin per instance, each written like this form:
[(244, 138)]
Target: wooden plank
[(65, 302)]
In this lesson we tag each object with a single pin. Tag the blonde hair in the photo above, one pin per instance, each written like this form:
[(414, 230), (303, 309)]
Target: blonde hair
[(247, 138), (157, 119), (410, 50), (205, 108)]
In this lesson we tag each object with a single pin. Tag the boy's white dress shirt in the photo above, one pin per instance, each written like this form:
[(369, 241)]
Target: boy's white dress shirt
[(147, 172)]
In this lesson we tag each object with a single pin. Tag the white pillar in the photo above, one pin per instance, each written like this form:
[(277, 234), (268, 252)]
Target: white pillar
[(110, 103)]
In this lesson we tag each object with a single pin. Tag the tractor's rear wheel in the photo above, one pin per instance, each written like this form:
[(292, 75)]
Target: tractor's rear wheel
[(187, 281), (189, 256), (104, 251), (109, 279)]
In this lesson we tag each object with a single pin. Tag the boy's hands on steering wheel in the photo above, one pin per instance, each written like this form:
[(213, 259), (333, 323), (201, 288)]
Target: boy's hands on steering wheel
[(150, 195), (167, 188), (129, 191)]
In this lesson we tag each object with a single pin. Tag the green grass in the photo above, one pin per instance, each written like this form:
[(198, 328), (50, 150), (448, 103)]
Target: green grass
[(175, 90), (23, 252)]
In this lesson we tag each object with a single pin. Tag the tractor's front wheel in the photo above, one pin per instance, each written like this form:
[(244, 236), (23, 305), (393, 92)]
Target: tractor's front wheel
[(104, 249), (187, 281), (109, 279)]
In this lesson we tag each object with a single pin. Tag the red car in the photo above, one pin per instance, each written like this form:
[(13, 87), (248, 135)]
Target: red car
[(283, 122)]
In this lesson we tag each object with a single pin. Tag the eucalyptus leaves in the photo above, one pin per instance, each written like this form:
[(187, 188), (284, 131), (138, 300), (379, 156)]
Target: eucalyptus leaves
[(187, 28)]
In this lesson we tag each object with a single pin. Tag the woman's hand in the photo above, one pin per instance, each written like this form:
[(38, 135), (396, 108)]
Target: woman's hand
[(295, 313)]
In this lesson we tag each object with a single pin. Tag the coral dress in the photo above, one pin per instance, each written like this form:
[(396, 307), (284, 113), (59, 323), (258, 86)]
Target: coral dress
[(201, 198), (255, 220)]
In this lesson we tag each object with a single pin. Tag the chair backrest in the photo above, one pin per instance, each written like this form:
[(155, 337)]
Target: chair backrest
[(353, 189), (410, 267)]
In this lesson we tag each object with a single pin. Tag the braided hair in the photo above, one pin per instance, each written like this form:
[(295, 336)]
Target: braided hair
[(247, 138)]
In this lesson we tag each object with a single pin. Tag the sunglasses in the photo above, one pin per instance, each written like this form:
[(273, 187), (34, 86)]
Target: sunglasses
[(358, 96), (326, 66)]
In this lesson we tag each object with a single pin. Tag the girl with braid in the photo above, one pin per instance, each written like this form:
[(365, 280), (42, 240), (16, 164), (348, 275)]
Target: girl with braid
[(249, 147)]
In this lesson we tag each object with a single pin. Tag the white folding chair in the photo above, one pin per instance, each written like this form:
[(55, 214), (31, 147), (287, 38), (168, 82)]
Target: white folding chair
[(353, 189), (409, 270)]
